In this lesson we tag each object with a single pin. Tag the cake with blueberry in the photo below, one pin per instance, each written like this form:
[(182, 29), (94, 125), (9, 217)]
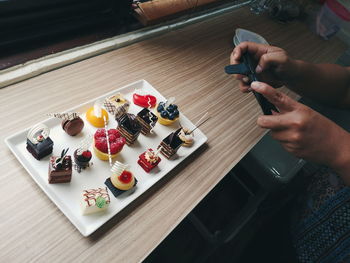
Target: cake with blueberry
[(147, 120), (60, 168), (129, 128), (170, 144), (149, 160), (121, 179), (94, 201), (167, 113), (39, 144), (100, 146)]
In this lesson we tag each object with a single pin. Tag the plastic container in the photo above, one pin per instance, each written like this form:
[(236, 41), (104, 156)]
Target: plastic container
[(333, 16)]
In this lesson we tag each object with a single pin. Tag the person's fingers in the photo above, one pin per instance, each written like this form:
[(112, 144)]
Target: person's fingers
[(270, 59), (245, 88), (274, 122), (255, 49), (279, 99)]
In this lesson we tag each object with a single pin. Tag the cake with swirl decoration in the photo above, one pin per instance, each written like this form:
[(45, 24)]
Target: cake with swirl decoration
[(147, 120), (94, 201), (72, 124), (170, 144), (149, 159), (39, 144), (60, 168), (121, 179)]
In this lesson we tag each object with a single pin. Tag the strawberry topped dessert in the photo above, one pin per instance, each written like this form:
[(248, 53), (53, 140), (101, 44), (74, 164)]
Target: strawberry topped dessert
[(101, 147)]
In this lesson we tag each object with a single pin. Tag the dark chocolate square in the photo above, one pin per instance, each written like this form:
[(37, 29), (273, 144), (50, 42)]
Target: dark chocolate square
[(41, 149)]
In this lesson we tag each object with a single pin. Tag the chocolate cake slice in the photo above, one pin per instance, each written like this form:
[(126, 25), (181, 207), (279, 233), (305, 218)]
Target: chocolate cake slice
[(41, 149), (147, 120), (129, 128), (60, 172), (170, 144)]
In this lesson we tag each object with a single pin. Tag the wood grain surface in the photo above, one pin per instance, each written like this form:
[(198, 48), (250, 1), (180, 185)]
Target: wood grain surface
[(188, 64)]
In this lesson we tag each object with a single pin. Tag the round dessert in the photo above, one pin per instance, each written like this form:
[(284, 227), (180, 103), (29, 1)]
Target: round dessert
[(116, 142), (167, 115), (94, 120), (145, 101), (187, 137), (82, 159), (73, 127), (124, 181)]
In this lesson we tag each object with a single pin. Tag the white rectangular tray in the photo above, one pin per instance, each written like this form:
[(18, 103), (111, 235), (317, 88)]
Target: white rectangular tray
[(67, 196)]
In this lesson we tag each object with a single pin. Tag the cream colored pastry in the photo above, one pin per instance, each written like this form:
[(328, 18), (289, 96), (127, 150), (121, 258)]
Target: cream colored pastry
[(94, 201), (121, 178), (113, 103), (186, 137)]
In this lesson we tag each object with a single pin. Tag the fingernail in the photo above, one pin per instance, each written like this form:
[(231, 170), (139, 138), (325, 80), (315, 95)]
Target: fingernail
[(249, 89), (245, 79), (258, 69), (255, 85)]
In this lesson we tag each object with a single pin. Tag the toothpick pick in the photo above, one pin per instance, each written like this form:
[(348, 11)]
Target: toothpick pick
[(108, 146), (198, 123)]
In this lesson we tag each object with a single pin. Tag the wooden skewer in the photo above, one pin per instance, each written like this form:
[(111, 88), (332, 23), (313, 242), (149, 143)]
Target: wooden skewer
[(199, 125)]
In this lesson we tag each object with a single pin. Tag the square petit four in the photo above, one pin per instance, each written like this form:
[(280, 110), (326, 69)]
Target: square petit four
[(39, 143), (60, 168), (147, 120), (129, 128), (148, 160), (170, 144), (116, 105), (94, 201)]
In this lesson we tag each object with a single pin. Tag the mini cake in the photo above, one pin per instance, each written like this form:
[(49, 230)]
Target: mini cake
[(115, 103), (100, 146), (94, 201), (121, 179), (148, 160), (145, 101), (167, 113), (72, 124), (82, 155), (187, 136), (147, 120), (129, 128), (39, 143), (97, 116), (170, 144), (60, 168), (120, 111)]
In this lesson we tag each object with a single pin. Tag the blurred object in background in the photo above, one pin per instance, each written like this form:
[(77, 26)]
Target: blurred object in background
[(333, 17), (281, 10)]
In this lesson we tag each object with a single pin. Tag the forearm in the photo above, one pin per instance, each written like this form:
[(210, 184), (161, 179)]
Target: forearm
[(326, 83)]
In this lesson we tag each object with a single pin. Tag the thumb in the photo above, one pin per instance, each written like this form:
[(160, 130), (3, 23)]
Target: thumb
[(279, 99)]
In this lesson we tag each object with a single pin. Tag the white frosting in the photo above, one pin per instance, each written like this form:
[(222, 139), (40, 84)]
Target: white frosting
[(40, 129)]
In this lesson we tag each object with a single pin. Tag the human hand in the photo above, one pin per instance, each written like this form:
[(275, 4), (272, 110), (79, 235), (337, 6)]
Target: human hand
[(274, 65), (304, 132)]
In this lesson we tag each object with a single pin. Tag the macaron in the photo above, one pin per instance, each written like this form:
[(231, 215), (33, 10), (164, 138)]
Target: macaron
[(73, 127)]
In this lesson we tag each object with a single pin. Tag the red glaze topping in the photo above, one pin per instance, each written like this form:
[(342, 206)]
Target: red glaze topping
[(125, 177), (87, 154), (146, 101)]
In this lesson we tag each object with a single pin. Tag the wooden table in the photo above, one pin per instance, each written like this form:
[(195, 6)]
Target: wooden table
[(188, 64)]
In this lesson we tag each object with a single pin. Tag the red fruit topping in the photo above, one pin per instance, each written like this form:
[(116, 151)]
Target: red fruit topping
[(112, 137), (101, 144), (146, 101), (115, 132), (125, 177), (87, 154), (100, 133)]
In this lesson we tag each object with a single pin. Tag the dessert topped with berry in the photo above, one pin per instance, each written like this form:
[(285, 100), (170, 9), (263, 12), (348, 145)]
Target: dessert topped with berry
[(39, 143), (121, 179), (60, 168), (148, 160), (144, 100), (167, 113), (105, 148), (97, 116)]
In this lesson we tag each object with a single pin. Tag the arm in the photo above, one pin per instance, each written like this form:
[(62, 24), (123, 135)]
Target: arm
[(326, 83)]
